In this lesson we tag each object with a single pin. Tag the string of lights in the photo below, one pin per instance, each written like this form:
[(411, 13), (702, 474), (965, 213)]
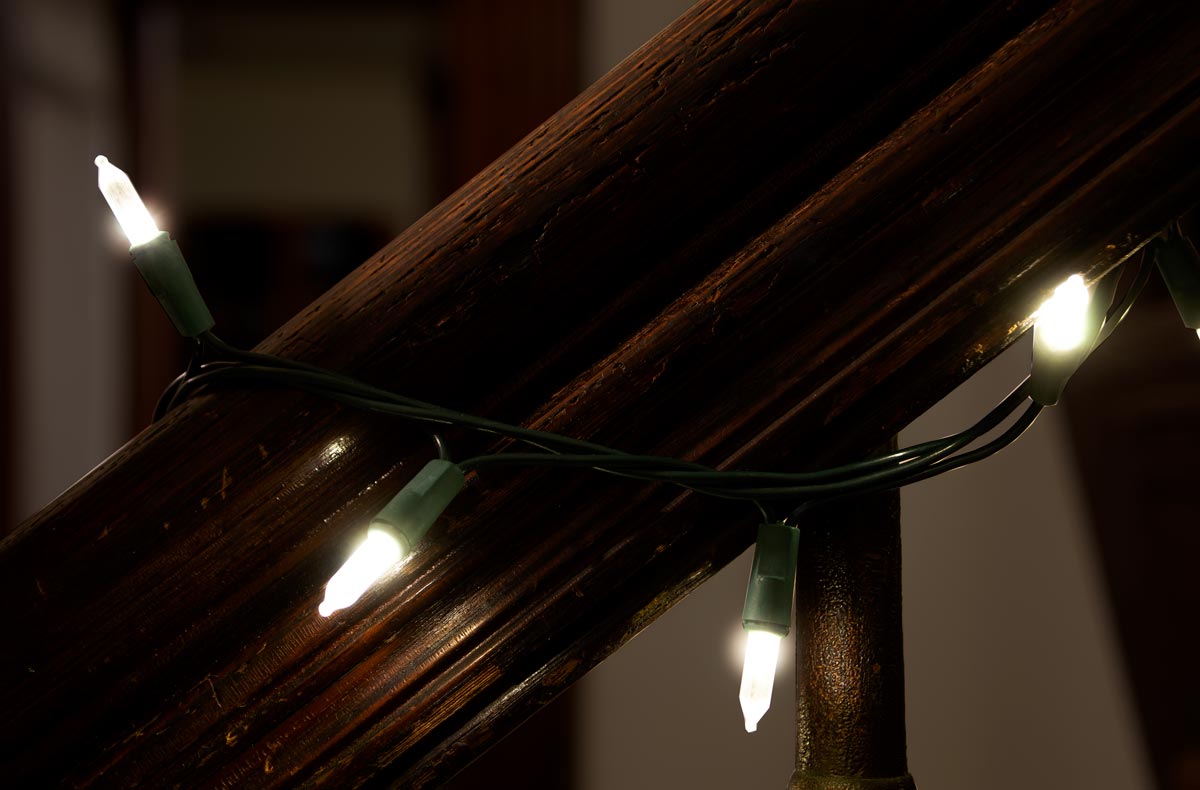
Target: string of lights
[(1067, 327)]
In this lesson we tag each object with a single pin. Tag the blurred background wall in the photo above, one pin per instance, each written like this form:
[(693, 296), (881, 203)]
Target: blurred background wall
[(284, 143), (67, 300)]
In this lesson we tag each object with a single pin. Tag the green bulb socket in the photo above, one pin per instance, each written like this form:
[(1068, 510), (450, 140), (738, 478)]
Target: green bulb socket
[(413, 511), (161, 264), (1179, 265), (772, 579), (1052, 369)]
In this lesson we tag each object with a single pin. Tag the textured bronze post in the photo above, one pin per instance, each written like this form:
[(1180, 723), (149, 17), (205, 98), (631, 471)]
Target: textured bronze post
[(850, 649)]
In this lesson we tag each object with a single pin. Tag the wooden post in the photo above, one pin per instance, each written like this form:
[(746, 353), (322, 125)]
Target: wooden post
[(850, 648), (773, 235)]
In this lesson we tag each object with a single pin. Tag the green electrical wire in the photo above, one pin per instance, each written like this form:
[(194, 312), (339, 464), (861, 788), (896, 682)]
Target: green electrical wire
[(1118, 312), (560, 451), (215, 362)]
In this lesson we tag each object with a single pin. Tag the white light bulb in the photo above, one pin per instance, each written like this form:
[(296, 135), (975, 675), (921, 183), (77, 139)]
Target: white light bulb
[(1062, 319), (125, 203), (1198, 333), (376, 555), (758, 675)]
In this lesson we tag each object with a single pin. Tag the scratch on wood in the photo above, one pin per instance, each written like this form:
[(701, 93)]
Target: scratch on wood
[(213, 689), (224, 482)]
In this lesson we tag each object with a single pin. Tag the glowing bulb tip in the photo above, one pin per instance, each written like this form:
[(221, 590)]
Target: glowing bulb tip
[(378, 553), (125, 203), (758, 675)]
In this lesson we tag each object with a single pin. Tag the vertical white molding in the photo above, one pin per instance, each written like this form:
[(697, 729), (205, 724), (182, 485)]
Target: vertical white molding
[(69, 361)]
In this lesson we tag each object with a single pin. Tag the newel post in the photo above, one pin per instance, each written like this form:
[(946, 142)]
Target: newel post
[(850, 648)]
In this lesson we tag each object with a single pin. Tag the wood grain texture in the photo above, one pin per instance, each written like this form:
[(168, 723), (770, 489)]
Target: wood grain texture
[(769, 238)]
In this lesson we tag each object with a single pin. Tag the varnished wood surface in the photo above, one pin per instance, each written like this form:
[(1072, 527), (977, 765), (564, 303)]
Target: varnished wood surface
[(770, 237)]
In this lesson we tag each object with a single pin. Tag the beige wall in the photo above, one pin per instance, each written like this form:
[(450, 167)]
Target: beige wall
[(612, 29), (1014, 675)]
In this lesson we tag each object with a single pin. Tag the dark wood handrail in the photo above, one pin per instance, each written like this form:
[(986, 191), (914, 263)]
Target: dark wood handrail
[(771, 237)]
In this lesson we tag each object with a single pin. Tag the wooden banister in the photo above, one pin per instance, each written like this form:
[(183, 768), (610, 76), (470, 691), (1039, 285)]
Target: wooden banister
[(769, 238)]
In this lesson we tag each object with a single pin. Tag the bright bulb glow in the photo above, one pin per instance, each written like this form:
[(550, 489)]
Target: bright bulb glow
[(758, 675), (1198, 333), (1062, 319), (125, 203), (376, 555)]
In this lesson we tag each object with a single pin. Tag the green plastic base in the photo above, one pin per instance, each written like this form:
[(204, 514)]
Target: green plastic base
[(772, 579), (162, 266), (412, 512)]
